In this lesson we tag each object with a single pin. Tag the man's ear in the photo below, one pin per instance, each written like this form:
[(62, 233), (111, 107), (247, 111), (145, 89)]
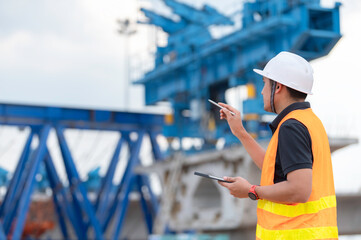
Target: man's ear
[(279, 87)]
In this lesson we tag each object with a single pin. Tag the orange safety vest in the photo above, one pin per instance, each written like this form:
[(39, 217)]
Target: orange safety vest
[(315, 219)]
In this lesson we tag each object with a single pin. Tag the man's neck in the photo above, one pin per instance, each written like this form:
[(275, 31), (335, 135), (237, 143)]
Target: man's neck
[(282, 105)]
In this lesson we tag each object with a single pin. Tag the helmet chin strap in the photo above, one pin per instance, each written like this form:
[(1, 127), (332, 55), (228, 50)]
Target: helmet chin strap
[(273, 90)]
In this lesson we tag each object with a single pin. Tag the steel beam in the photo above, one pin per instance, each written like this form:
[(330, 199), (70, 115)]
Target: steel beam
[(62, 204), (123, 203), (58, 210), (11, 212), (128, 181), (148, 211), (78, 190), (18, 115), (2, 233), (114, 203), (153, 198), (73, 184), (157, 153), (107, 183), (14, 183), (24, 201)]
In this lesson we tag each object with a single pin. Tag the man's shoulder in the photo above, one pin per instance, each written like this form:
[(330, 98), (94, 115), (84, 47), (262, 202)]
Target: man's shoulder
[(293, 124), (292, 127)]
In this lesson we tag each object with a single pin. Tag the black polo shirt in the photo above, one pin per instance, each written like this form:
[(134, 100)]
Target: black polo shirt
[(294, 144)]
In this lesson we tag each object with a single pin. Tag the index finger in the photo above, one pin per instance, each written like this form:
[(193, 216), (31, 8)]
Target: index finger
[(223, 184), (230, 179)]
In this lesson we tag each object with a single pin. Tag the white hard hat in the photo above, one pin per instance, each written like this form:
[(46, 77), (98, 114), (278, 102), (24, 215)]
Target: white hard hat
[(290, 70)]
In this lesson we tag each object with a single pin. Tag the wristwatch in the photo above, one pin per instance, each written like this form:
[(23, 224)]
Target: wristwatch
[(252, 193)]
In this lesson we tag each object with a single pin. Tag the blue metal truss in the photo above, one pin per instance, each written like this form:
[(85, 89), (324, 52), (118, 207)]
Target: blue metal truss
[(71, 202), (193, 68)]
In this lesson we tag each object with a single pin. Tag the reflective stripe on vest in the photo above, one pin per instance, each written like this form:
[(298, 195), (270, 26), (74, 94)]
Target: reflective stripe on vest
[(299, 209), (297, 234), (315, 219)]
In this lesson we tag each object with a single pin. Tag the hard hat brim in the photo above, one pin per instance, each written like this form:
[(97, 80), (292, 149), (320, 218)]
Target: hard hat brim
[(264, 74), (260, 72)]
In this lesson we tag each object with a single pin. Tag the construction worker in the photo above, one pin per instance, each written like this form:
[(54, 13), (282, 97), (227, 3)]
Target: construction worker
[(296, 196)]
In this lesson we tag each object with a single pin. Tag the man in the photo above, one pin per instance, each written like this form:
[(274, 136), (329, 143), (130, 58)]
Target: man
[(296, 195)]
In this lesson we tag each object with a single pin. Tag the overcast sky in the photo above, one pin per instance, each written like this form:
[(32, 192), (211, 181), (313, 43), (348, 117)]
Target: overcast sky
[(68, 53)]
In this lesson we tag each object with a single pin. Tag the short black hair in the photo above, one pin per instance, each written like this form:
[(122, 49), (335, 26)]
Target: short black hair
[(296, 94)]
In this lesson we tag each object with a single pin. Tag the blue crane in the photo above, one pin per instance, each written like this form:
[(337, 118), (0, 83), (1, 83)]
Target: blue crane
[(194, 67), (192, 23)]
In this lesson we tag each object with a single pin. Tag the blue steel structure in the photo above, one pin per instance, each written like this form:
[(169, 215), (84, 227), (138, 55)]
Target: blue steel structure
[(71, 202), (194, 67)]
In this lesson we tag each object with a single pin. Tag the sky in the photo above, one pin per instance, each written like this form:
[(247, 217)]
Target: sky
[(65, 53), (69, 53)]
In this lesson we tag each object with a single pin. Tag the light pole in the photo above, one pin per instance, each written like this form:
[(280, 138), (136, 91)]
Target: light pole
[(126, 29)]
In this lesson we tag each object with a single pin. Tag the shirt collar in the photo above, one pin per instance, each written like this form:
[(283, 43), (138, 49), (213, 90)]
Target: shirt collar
[(294, 106)]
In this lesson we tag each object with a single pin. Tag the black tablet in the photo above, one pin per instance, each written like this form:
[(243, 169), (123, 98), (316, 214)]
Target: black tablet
[(211, 177)]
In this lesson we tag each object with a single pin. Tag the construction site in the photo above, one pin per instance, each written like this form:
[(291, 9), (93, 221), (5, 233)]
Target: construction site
[(104, 113)]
